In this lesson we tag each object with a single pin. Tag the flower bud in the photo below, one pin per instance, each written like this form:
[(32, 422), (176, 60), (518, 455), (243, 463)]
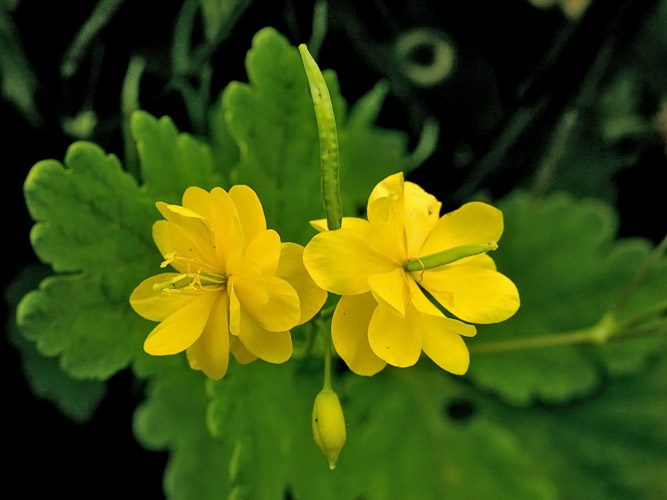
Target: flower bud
[(329, 425)]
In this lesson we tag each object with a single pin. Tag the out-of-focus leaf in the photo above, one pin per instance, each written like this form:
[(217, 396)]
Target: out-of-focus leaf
[(611, 446), (397, 437), (17, 79), (173, 418), (569, 270), (75, 398)]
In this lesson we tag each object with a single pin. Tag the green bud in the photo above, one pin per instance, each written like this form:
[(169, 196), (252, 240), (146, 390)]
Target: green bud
[(329, 425)]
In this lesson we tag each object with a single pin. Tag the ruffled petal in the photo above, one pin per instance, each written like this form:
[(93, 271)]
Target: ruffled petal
[(218, 208), (395, 339), (386, 213), (155, 305), (280, 311), (292, 270), (180, 330), (229, 237), (274, 347), (241, 354), (234, 309), (422, 211), (196, 227), (390, 289), (210, 353), (198, 200), (341, 261), (249, 208), (349, 330), (473, 294), (194, 254), (264, 251), (420, 301), (474, 222), (442, 343)]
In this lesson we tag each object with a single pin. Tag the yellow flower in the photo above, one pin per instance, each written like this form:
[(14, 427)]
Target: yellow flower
[(383, 316), (236, 287)]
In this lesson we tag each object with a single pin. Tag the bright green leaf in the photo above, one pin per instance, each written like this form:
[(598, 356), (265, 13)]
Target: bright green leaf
[(171, 161), (92, 222)]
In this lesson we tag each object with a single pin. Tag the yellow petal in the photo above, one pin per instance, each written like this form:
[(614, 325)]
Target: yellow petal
[(349, 330), (474, 222), (241, 354), (442, 343), (276, 308), (264, 251), (292, 270), (390, 289), (473, 294), (387, 187), (386, 213), (210, 353), (394, 339), (249, 208), (195, 253), (234, 309), (274, 347), (198, 200), (422, 211), (218, 208), (347, 222), (341, 261), (155, 305), (226, 223), (196, 227), (180, 330), (420, 301), (481, 260)]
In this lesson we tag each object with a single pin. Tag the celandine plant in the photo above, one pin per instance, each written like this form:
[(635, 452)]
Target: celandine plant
[(229, 307)]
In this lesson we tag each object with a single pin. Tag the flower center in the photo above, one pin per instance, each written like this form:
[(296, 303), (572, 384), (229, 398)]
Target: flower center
[(199, 276)]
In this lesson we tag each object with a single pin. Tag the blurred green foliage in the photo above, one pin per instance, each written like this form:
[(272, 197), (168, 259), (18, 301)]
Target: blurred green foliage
[(566, 422)]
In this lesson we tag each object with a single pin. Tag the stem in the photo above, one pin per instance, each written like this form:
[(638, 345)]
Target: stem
[(641, 273), (326, 126), (129, 101), (326, 338), (599, 334), (574, 337)]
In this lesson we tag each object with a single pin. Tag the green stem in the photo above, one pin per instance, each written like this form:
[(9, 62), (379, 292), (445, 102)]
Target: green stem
[(605, 331), (641, 273), (326, 126), (326, 338)]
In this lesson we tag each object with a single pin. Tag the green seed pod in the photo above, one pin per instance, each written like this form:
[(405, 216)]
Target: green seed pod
[(329, 425)]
